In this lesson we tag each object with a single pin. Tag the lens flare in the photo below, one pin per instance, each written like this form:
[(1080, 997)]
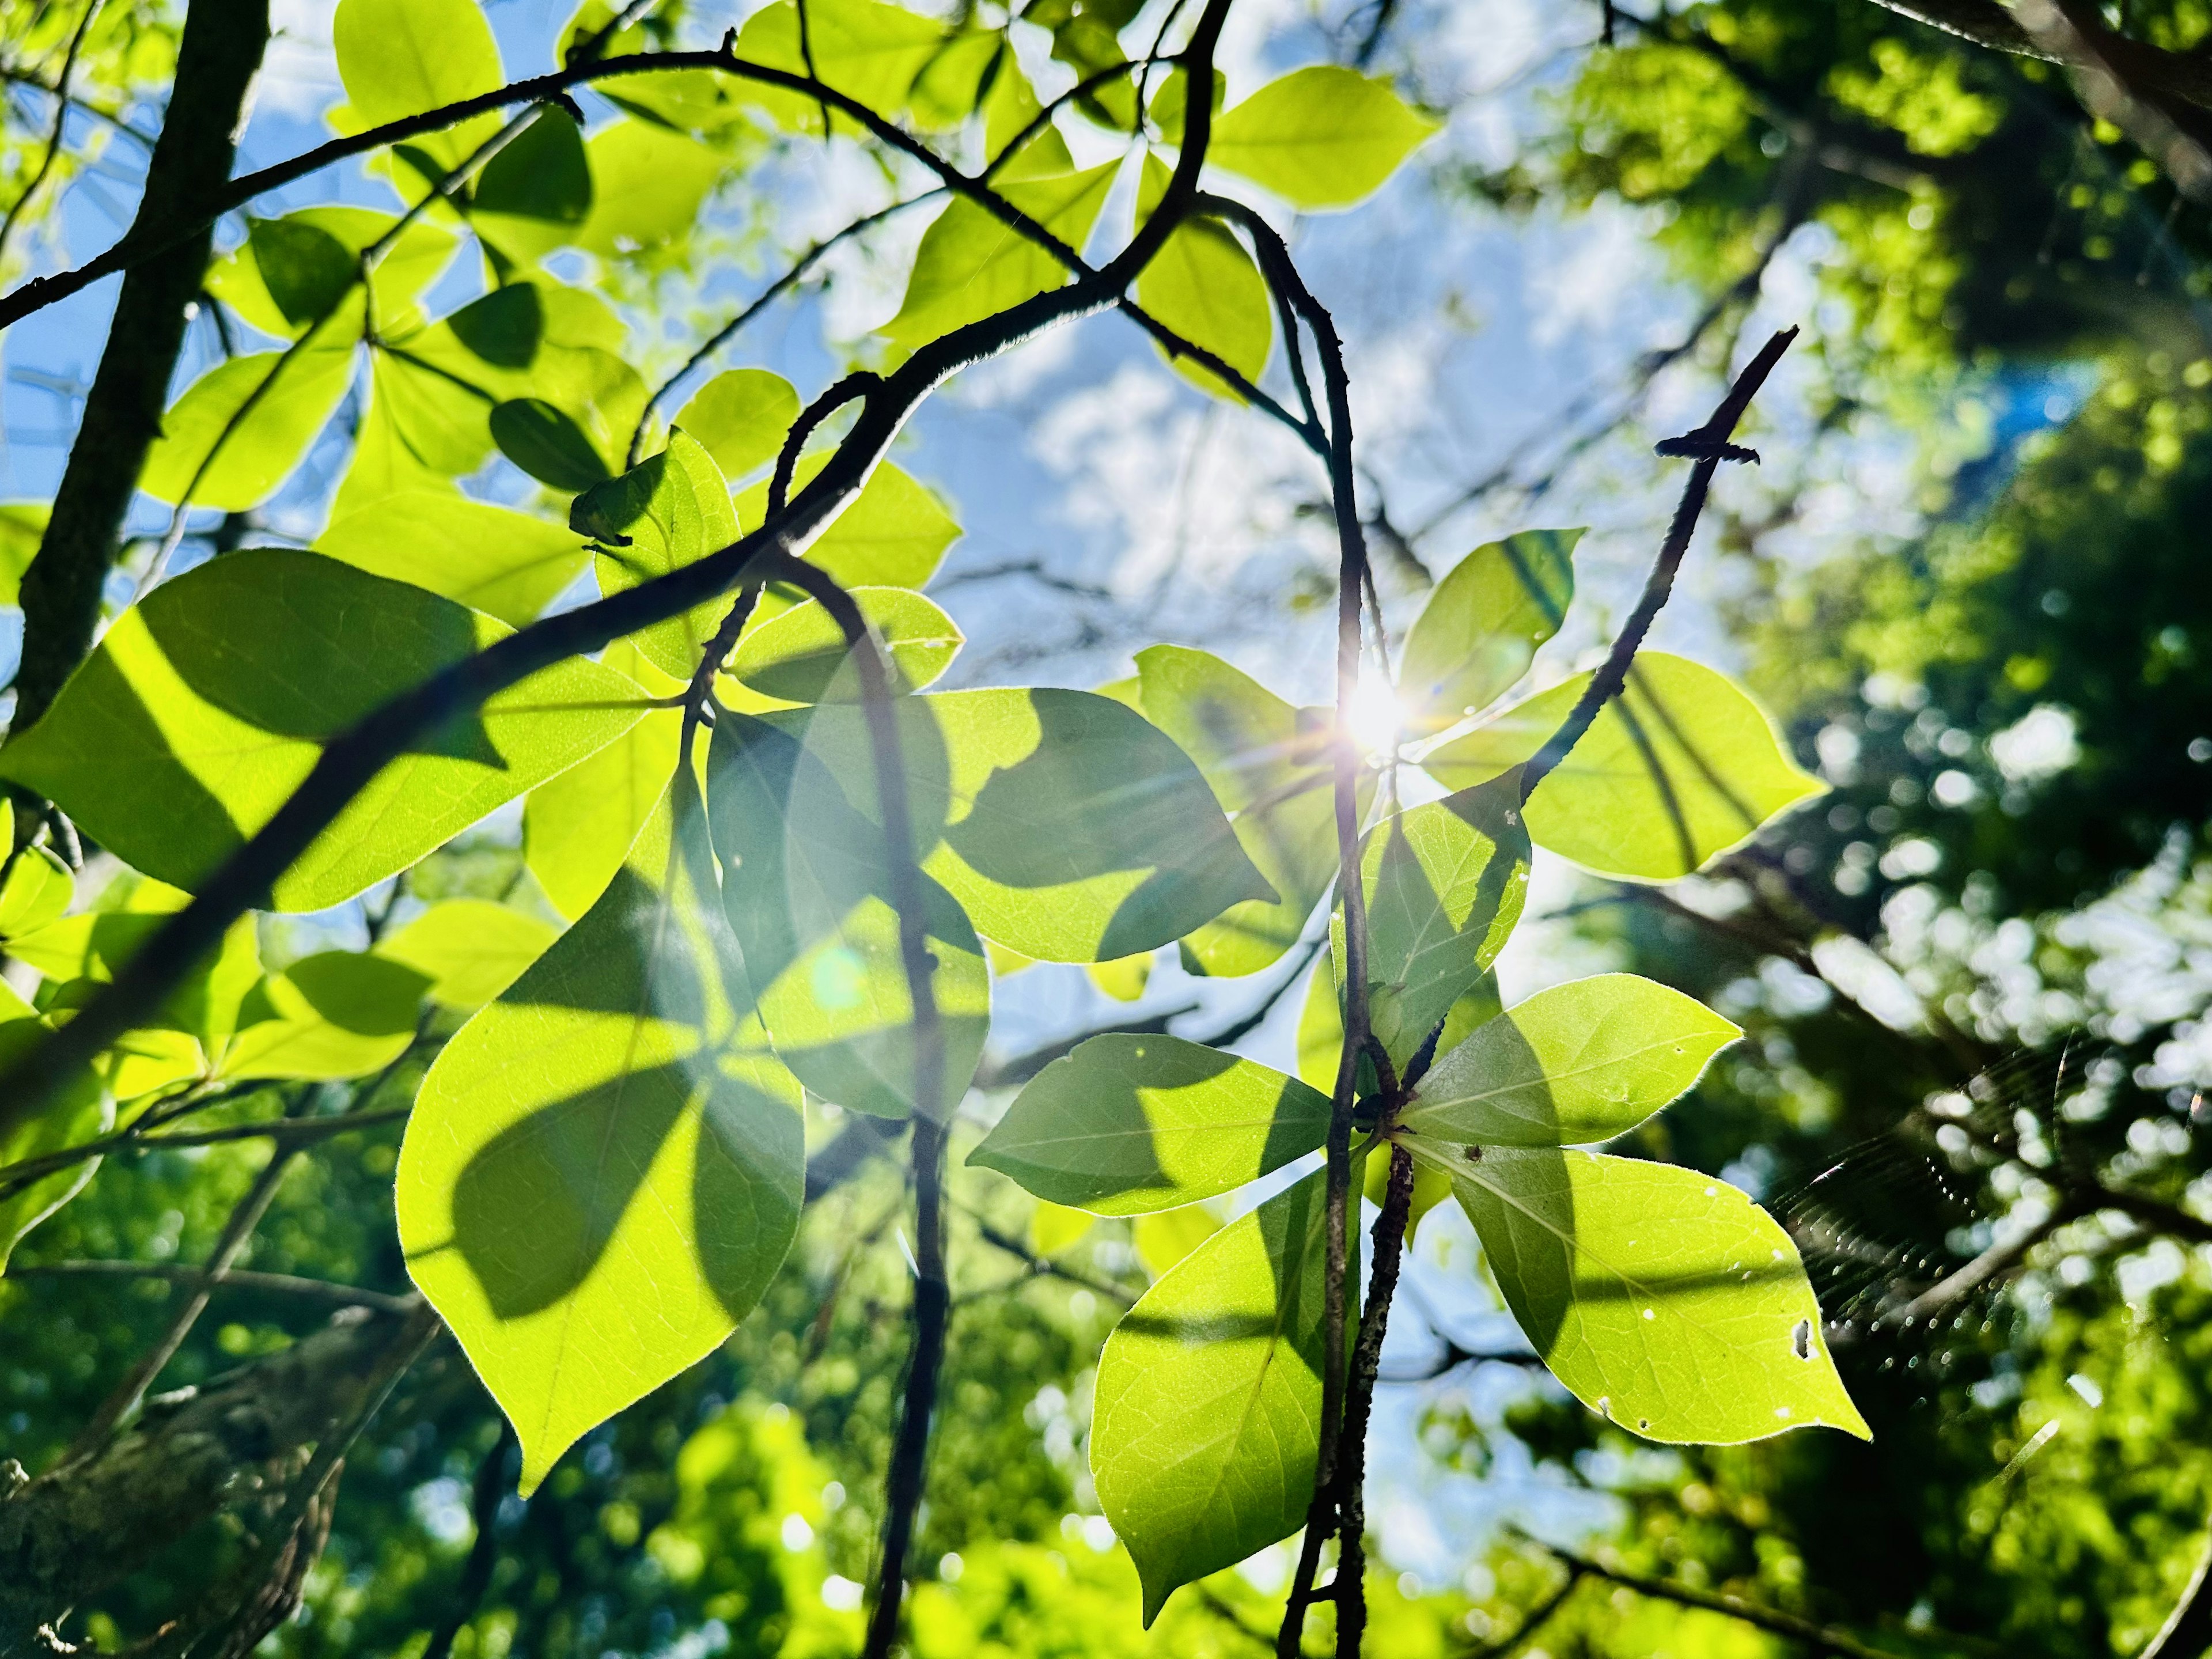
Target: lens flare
[(1376, 717)]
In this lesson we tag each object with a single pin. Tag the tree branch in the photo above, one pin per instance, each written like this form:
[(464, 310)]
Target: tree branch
[(1709, 445), (178, 1272), (217, 61), (1820, 1638), (1359, 1400), (484, 1551)]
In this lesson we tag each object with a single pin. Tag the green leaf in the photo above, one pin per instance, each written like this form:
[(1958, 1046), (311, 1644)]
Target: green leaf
[(399, 57), (799, 655), (893, 534), (1481, 629), (1205, 1429), (577, 827), (259, 446), (1203, 285), (660, 515), (1164, 1238), (1052, 1227), (83, 1111), (1125, 1125), (1124, 978), (971, 265), (1171, 103), (206, 705), (37, 889), (1682, 767), (506, 564), (536, 194), (336, 1015), (1578, 1063), (1320, 137), (1068, 826), (647, 184), (807, 886), (293, 270), (869, 51), (740, 416), (22, 527), (1444, 884), (469, 950), (1268, 765), (604, 1168), (419, 431), (548, 443), (1664, 1299)]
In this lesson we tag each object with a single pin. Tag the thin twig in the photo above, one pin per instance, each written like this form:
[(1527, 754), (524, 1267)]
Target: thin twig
[(484, 1553), (1820, 1638), (178, 1272), (1709, 445), (1359, 1400), (1041, 1266), (17, 207)]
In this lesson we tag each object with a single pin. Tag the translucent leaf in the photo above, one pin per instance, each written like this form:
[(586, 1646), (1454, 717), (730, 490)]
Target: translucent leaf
[(604, 1168), (336, 1015), (206, 705), (290, 272), (660, 515), (82, 1112), (799, 655), (1204, 286), (469, 950), (267, 441), (648, 183), (1164, 1238), (1444, 884), (1268, 765), (971, 265), (807, 886), (1682, 767), (1124, 978), (1664, 1299), (893, 534), (419, 431), (37, 890), (506, 564), (1055, 1228), (399, 57), (1207, 1425), (1577, 1063), (22, 527), (1171, 104), (947, 91), (577, 827), (536, 194), (868, 50), (548, 443), (740, 416), (1068, 827), (1321, 136), (1481, 629), (1125, 1125)]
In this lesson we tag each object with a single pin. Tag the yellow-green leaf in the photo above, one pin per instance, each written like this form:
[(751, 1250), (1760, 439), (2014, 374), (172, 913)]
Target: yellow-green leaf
[(1321, 136)]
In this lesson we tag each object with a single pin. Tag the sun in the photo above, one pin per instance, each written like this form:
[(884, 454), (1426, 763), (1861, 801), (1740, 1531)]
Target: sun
[(1376, 719)]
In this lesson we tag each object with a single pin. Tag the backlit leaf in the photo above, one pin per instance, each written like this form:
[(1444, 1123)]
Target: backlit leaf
[(799, 655), (1481, 629), (83, 1111), (1268, 765), (665, 513), (1206, 1424), (1664, 1299), (399, 57), (807, 885), (1680, 768), (254, 449), (1321, 136), (469, 950), (335, 1015), (1444, 884), (1125, 1125), (647, 184), (1204, 286), (604, 1168), (577, 827), (868, 50), (535, 195), (207, 704), (740, 417), (1068, 827), (1580, 1062), (506, 564), (37, 890), (894, 533), (548, 443)]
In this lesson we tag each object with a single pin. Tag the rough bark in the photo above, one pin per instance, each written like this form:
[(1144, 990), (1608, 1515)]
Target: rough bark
[(234, 1446), (217, 61)]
